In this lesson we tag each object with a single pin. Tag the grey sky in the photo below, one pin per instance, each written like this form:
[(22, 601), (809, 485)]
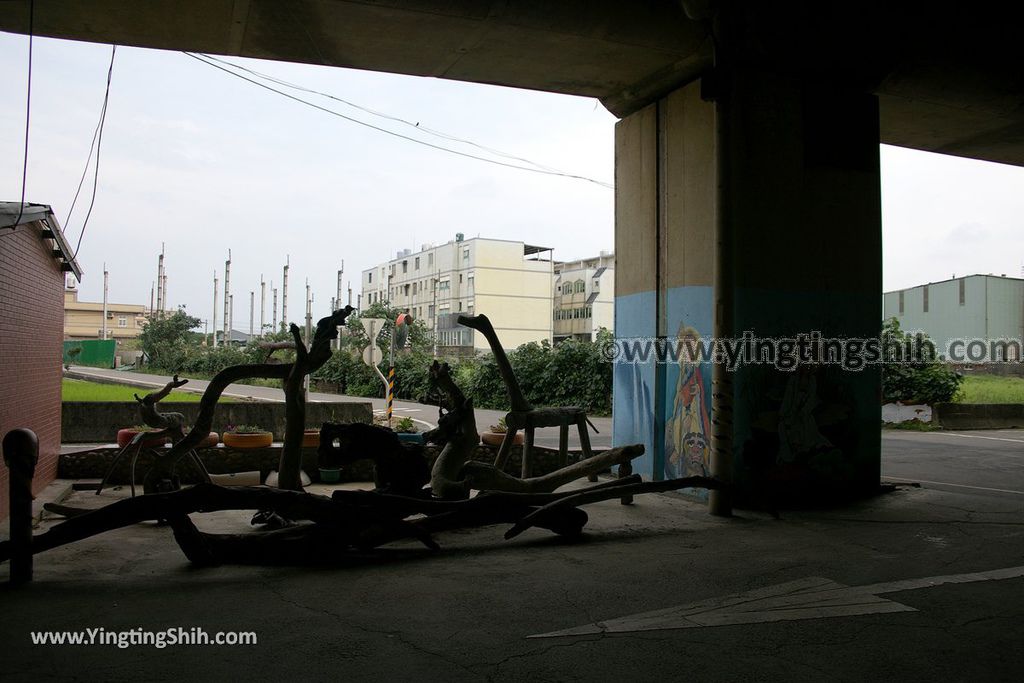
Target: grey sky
[(206, 162)]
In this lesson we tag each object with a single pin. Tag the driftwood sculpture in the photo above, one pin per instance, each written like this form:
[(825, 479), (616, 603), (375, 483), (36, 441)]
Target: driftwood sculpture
[(330, 528), (292, 374), (170, 425), (523, 415)]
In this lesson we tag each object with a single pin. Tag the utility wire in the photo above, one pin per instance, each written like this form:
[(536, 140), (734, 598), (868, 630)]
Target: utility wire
[(28, 114), (98, 139), (88, 159), (393, 133), (389, 117)]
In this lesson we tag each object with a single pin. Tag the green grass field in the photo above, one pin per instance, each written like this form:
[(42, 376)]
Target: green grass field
[(991, 389), (81, 390)]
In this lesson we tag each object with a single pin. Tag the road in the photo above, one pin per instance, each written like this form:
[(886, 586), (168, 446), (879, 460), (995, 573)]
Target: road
[(982, 462), (424, 414)]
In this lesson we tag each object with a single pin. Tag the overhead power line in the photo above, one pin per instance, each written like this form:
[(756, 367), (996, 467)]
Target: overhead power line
[(28, 114), (536, 168), (97, 142)]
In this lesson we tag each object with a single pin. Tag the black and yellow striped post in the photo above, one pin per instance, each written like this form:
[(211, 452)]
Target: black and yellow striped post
[(391, 392)]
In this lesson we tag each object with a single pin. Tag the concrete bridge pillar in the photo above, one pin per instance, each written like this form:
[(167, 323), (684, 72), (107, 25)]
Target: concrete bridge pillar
[(786, 171)]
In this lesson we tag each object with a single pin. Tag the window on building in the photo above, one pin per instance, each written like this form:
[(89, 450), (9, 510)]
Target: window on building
[(925, 308), (460, 305), (470, 309), (460, 278), (430, 259), (465, 254), (580, 286), (963, 292), (416, 265), (405, 266), (122, 321), (414, 288), (901, 303), (369, 277), (392, 270), (430, 311), (406, 290)]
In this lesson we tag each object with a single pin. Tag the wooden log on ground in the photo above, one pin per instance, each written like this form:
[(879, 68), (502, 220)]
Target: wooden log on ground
[(485, 477)]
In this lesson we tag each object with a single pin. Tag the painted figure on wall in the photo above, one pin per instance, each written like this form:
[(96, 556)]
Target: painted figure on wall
[(688, 428)]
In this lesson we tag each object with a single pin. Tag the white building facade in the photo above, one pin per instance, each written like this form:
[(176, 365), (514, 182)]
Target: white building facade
[(583, 294), (508, 281)]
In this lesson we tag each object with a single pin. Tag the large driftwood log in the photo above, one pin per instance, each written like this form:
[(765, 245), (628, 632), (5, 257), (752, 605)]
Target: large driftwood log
[(484, 477), (350, 520)]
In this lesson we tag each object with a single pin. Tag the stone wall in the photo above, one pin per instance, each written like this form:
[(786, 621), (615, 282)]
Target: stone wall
[(979, 415), (98, 422)]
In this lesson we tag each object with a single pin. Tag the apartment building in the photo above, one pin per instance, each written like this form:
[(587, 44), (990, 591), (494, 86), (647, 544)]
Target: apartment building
[(84, 319), (584, 297), (508, 281)]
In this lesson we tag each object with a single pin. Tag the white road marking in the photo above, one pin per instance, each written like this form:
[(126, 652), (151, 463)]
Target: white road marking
[(809, 598), (964, 486), (976, 436)]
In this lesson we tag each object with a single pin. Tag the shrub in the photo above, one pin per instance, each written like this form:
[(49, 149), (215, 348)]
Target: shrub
[(911, 372)]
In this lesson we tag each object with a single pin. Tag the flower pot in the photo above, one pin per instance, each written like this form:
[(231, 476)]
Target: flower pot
[(329, 476), (209, 441), (311, 438), (125, 436), (406, 437), (495, 438), (257, 440)]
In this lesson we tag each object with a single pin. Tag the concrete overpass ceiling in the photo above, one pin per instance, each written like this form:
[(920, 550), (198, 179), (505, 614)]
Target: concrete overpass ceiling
[(950, 77)]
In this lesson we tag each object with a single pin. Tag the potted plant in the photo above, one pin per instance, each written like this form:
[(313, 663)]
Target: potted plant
[(496, 435), (209, 441), (125, 436), (247, 436), (405, 428), (311, 437)]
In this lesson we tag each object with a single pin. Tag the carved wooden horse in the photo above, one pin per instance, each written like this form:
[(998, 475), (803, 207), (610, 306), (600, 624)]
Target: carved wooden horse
[(523, 415)]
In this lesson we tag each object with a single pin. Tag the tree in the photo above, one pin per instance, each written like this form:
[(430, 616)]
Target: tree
[(419, 337), (166, 340)]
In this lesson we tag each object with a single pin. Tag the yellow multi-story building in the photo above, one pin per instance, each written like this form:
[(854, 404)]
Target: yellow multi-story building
[(508, 281), (84, 319)]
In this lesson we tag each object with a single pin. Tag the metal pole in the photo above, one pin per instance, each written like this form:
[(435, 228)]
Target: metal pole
[(273, 322), (720, 501), (252, 313), (160, 281), (213, 323), (152, 287), (263, 304), (434, 287), (341, 273), (391, 372), (284, 296), (230, 319), (105, 293), (21, 453), (165, 293), (227, 297)]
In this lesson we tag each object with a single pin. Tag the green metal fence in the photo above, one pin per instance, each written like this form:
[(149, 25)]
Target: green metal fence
[(97, 353)]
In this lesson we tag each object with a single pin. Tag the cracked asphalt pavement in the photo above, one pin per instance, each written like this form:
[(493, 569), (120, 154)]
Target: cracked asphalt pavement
[(464, 613)]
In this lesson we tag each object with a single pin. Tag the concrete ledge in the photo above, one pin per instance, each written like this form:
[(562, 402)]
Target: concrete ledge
[(98, 422), (979, 415), (94, 463)]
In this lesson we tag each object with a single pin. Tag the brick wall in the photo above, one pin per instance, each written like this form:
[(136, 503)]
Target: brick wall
[(31, 335)]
